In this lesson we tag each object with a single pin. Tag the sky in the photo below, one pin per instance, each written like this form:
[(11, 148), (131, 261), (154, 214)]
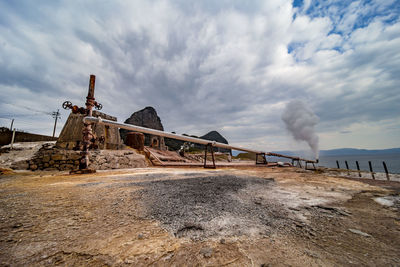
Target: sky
[(230, 66)]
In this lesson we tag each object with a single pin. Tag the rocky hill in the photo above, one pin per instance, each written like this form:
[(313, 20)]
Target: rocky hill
[(215, 136), (146, 117)]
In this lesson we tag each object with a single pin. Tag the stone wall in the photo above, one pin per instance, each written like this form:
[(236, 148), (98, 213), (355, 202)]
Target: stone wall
[(53, 158), (6, 136)]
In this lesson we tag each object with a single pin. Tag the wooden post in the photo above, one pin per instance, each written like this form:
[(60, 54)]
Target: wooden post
[(212, 155), (12, 123), (337, 163), (12, 139), (358, 168), (347, 167), (386, 170), (372, 171)]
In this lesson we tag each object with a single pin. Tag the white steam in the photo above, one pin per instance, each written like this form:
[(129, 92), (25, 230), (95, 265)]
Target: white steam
[(300, 120)]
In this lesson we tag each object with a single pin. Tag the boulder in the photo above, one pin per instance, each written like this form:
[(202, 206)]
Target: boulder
[(148, 118), (217, 137)]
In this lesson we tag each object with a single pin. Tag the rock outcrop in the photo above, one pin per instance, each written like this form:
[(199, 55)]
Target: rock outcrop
[(215, 136), (148, 118), (212, 136)]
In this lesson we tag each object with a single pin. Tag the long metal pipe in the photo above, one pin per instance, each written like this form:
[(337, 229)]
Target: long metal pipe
[(291, 157), (184, 138), (166, 134)]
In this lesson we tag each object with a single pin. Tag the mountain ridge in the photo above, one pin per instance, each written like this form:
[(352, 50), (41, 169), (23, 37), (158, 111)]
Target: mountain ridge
[(345, 151)]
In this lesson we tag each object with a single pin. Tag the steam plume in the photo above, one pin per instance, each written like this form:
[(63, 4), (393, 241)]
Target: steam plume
[(300, 121)]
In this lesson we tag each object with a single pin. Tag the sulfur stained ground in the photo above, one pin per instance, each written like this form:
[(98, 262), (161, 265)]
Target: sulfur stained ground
[(197, 217)]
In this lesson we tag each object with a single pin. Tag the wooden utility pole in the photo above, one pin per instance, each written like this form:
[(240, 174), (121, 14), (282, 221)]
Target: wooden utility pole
[(12, 123), (12, 139), (55, 115)]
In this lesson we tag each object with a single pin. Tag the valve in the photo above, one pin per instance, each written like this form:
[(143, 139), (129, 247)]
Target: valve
[(101, 139), (98, 106), (74, 108), (67, 105)]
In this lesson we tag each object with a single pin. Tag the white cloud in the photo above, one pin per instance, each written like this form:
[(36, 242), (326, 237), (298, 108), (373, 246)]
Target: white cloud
[(218, 66)]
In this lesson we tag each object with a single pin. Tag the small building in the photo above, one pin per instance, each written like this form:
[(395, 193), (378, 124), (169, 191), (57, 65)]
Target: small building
[(71, 134)]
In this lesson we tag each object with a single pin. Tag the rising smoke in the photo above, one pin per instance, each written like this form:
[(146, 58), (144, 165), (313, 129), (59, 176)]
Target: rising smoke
[(300, 121)]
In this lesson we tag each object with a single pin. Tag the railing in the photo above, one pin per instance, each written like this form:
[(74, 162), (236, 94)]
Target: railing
[(370, 168)]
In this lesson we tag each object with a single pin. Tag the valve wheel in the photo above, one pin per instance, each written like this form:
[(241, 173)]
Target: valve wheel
[(67, 105), (98, 106)]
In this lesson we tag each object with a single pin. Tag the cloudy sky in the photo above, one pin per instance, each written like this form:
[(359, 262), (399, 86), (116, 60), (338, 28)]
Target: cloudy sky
[(230, 66)]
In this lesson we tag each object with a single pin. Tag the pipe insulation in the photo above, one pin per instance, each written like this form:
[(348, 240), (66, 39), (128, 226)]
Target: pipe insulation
[(131, 127), (136, 128)]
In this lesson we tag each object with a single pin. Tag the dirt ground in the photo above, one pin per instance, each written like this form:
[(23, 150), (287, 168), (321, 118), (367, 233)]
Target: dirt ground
[(198, 217)]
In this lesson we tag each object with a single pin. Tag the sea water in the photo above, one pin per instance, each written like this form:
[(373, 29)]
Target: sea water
[(392, 162)]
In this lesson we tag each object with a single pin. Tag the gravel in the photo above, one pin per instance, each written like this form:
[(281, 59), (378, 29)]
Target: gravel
[(211, 206)]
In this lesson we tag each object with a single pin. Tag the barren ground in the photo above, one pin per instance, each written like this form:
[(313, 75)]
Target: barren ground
[(180, 217)]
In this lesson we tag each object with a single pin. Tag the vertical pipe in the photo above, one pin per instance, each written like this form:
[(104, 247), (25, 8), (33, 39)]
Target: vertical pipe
[(337, 163), (372, 171), (12, 139), (386, 170), (358, 168), (87, 127)]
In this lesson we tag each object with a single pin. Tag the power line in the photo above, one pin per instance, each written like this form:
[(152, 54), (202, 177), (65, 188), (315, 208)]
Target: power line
[(29, 108), (9, 116)]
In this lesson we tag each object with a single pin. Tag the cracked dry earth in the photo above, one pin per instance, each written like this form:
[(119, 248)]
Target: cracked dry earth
[(195, 217)]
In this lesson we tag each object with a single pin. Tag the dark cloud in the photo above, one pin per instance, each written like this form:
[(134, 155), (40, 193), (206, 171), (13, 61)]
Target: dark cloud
[(229, 66)]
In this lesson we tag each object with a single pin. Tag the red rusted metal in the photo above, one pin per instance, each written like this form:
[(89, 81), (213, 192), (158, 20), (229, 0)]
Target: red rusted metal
[(88, 137), (87, 133), (263, 158)]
